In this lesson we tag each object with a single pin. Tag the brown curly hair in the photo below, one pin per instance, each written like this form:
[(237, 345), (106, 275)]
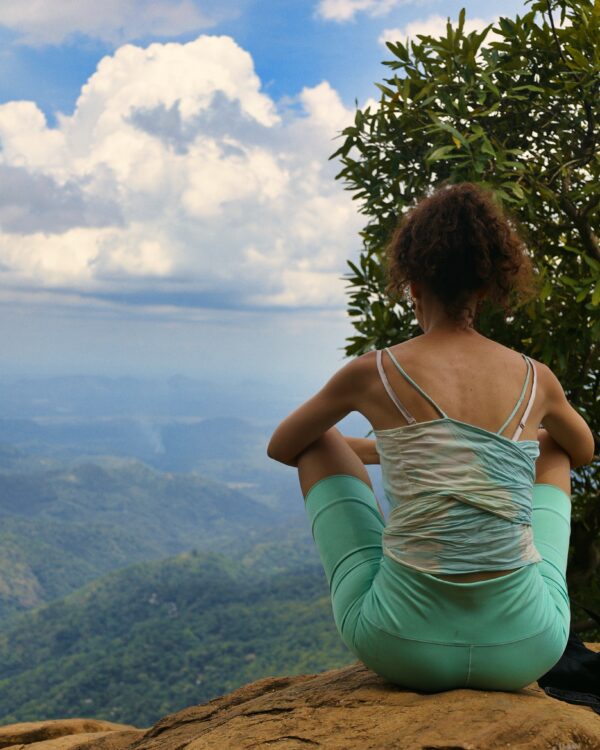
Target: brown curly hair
[(459, 241)]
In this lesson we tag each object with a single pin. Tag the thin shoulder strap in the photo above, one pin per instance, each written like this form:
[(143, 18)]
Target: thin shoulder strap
[(412, 382), (409, 418), (523, 419), (521, 397)]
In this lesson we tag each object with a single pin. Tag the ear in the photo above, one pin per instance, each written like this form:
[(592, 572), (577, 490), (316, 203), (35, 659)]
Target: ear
[(416, 288)]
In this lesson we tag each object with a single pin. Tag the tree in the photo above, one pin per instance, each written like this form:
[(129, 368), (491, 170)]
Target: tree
[(519, 113)]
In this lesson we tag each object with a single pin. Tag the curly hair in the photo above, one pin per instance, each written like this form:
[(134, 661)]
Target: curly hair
[(459, 241)]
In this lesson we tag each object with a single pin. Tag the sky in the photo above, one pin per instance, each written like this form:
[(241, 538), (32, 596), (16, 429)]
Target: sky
[(167, 205)]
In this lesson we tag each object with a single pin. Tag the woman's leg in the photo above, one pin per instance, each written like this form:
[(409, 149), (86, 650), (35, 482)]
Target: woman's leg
[(551, 522), (346, 524), (328, 455), (515, 664), (553, 465)]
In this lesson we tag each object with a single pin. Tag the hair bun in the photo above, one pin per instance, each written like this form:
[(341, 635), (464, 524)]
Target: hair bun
[(458, 241)]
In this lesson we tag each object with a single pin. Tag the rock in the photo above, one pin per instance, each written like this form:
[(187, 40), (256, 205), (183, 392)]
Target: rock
[(110, 741), (354, 708), (349, 708), (60, 734)]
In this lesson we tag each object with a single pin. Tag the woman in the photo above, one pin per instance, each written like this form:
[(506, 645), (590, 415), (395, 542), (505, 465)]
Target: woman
[(464, 585)]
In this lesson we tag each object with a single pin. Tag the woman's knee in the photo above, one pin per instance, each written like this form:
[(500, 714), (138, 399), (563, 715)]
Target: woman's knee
[(329, 454)]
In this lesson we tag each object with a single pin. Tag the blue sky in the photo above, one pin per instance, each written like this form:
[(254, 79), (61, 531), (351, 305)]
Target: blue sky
[(166, 204)]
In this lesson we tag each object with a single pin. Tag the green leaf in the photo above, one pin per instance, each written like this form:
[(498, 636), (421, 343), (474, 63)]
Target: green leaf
[(423, 92), (546, 290), (507, 26), (486, 148), (592, 262), (450, 129), (440, 153), (530, 87), (515, 189), (398, 49), (577, 56), (387, 91), (354, 268), (487, 80)]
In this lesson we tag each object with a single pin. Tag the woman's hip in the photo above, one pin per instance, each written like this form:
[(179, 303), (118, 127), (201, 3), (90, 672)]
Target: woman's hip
[(431, 666), (425, 633), (417, 605)]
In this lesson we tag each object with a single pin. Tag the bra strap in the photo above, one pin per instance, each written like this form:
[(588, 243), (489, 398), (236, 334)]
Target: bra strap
[(409, 418), (521, 397), (412, 382), (523, 419)]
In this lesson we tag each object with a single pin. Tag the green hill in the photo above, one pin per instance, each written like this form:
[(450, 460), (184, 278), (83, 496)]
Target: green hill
[(155, 637), (62, 527)]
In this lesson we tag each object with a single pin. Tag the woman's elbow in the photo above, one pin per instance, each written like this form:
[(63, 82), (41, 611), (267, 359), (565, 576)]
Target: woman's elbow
[(281, 459), (271, 453), (587, 455), (276, 456), (584, 454)]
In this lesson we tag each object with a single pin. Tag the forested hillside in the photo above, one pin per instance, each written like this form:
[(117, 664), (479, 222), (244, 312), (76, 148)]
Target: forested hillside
[(155, 637), (62, 527)]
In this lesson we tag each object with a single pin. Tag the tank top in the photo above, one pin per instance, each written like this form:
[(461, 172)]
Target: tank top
[(460, 495)]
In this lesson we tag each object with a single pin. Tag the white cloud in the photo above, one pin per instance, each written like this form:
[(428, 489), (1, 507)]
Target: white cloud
[(345, 10), (39, 22), (435, 26), (175, 178)]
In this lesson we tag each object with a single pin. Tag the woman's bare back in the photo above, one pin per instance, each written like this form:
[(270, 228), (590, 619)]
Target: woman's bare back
[(472, 378)]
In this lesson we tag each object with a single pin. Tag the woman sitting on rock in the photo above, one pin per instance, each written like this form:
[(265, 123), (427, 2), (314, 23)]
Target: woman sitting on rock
[(464, 585)]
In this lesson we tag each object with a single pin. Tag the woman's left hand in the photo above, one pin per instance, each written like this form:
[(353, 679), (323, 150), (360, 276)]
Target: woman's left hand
[(364, 448)]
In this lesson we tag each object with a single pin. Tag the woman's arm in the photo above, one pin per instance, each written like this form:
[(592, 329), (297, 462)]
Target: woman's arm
[(568, 428), (326, 408)]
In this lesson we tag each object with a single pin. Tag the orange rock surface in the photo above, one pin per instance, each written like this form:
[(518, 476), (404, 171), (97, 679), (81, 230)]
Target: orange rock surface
[(340, 709)]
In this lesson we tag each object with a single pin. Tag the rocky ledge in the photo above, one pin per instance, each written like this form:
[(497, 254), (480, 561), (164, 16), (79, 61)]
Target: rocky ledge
[(337, 710)]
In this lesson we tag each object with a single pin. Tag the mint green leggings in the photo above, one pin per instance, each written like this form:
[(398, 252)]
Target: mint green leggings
[(427, 634)]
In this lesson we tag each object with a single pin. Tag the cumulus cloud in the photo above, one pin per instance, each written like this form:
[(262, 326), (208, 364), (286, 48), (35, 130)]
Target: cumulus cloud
[(30, 202), (435, 26), (345, 10), (39, 22), (177, 178)]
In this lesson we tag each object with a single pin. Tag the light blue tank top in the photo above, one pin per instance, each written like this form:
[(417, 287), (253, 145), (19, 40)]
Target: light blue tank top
[(460, 495)]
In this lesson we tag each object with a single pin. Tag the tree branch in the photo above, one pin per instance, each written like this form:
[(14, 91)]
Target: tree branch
[(554, 32), (588, 237)]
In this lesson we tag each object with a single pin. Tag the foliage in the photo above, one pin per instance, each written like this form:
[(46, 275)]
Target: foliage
[(519, 113), (155, 637)]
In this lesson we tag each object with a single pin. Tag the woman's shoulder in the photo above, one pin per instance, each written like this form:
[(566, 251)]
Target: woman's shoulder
[(367, 360), (420, 345)]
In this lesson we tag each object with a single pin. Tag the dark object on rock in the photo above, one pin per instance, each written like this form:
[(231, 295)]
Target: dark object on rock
[(575, 678)]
